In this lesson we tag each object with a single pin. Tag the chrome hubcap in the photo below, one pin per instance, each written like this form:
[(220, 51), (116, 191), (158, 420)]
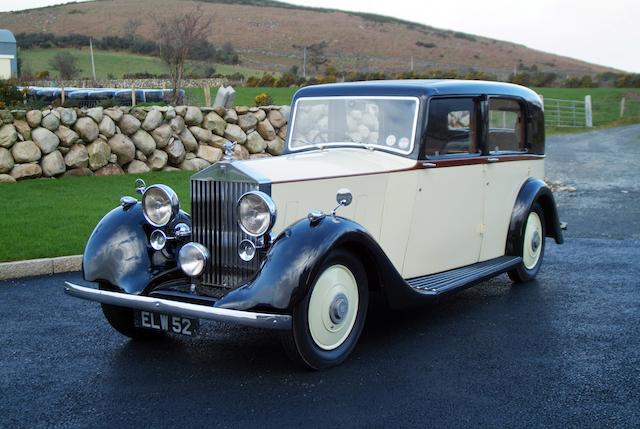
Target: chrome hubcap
[(339, 309)]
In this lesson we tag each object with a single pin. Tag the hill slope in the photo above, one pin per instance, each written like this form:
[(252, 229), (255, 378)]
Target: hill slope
[(264, 31)]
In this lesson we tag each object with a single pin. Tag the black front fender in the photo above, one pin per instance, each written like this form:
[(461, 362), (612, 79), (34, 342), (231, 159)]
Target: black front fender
[(118, 252), (532, 191), (295, 258)]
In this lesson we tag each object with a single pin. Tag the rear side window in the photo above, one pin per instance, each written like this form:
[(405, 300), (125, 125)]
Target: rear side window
[(506, 126), (451, 127)]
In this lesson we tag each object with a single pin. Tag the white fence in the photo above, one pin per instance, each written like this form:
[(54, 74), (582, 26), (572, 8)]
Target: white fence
[(568, 113)]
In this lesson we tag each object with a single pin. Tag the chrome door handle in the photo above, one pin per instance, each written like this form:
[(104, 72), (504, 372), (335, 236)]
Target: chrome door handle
[(428, 165), (492, 160)]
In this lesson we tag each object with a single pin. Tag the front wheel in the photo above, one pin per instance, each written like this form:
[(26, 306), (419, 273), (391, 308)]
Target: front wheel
[(532, 247), (328, 321), (122, 320)]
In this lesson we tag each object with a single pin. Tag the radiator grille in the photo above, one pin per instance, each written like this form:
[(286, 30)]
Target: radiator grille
[(213, 210)]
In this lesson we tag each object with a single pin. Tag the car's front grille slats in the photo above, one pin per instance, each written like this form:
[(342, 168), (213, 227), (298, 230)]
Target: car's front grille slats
[(215, 226)]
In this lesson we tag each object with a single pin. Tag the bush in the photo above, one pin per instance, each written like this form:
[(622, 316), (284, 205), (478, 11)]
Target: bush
[(263, 99), (42, 75), (9, 94)]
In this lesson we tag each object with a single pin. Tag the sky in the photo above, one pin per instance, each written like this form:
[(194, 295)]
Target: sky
[(601, 32)]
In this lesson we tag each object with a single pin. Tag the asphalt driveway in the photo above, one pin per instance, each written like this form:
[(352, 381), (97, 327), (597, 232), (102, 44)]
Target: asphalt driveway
[(563, 351)]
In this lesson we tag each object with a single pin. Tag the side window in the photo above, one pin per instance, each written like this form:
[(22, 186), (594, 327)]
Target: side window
[(506, 126), (451, 127)]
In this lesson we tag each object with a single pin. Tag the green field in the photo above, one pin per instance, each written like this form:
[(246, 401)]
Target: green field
[(111, 63), (605, 103), (49, 217), (244, 96)]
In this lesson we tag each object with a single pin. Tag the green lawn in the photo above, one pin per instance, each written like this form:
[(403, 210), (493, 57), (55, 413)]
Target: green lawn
[(54, 217), (244, 96), (112, 63)]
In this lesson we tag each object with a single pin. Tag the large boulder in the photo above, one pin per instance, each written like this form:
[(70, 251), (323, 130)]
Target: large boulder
[(201, 134), (114, 113), (247, 122), (34, 118), (144, 142), (8, 135), (235, 134), (129, 124), (87, 129), (265, 129), (6, 161), (276, 118), (137, 167), (162, 135), (188, 140), (209, 154), (141, 156), (260, 114), (51, 122), (193, 116), (53, 164), (68, 117), (157, 160), (195, 164), (282, 132), (153, 120), (110, 170), (240, 152), (175, 151), (139, 113), (6, 178), (45, 139), (213, 122), (23, 129), (6, 116), (276, 146), (107, 127), (79, 172), (123, 148), (78, 157), (231, 116), (67, 136), (26, 171), (26, 151), (177, 124), (217, 141), (255, 143), (99, 154), (95, 113)]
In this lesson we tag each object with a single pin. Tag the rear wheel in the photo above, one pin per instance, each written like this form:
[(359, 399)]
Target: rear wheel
[(532, 247), (328, 322), (122, 320)]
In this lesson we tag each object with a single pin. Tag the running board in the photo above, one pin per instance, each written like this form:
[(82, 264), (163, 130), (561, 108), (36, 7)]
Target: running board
[(460, 278)]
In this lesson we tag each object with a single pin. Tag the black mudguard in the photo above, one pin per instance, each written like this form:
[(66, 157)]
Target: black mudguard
[(532, 191), (118, 252), (295, 257)]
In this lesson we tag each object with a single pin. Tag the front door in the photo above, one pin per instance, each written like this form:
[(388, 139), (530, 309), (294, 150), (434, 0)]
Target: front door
[(446, 225)]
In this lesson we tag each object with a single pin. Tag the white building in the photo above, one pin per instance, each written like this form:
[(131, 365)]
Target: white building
[(8, 55)]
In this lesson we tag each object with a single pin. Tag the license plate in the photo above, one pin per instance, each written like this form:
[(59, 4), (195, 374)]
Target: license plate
[(167, 323)]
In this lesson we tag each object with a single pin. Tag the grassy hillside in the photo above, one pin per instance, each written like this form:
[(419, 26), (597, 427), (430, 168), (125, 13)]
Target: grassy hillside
[(112, 63), (269, 30)]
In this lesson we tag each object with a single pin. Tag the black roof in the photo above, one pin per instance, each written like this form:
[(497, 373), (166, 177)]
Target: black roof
[(426, 87)]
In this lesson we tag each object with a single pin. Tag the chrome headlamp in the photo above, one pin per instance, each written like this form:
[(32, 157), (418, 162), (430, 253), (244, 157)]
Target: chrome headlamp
[(160, 205), (256, 213)]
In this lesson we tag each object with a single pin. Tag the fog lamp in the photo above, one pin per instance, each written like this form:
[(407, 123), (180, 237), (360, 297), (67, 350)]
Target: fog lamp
[(193, 258)]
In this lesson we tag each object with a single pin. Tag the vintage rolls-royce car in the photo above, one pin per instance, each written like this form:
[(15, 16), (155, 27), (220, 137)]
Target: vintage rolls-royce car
[(406, 189)]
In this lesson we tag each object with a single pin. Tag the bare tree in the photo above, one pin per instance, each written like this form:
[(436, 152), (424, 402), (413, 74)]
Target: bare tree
[(65, 64), (130, 27), (317, 56), (175, 36)]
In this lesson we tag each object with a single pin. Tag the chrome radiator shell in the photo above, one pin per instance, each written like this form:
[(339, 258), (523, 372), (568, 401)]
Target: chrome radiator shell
[(214, 195)]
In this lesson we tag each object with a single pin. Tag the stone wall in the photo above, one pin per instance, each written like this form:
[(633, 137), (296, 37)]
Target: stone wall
[(102, 142)]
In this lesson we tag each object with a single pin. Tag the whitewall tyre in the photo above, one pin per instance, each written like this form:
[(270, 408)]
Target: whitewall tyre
[(328, 322), (532, 250)]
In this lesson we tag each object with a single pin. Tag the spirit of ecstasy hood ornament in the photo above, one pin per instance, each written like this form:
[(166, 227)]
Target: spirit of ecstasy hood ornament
[(228, 150)]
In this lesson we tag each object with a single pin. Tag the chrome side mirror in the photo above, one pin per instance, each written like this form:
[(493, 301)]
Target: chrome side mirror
[(140, 186), (344, 197)]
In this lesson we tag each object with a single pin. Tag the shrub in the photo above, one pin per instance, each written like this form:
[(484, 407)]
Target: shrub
[(42, 75), (9, 94), (263, 99)]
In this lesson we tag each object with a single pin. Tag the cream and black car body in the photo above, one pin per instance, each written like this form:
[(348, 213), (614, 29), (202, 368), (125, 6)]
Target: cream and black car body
[(406, 189)]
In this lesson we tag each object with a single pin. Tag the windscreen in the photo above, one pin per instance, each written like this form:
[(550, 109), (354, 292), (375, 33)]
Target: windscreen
[(386, 123)]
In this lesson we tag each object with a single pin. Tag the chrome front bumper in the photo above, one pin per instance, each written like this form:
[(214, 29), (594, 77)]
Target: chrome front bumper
[(178, 308)]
